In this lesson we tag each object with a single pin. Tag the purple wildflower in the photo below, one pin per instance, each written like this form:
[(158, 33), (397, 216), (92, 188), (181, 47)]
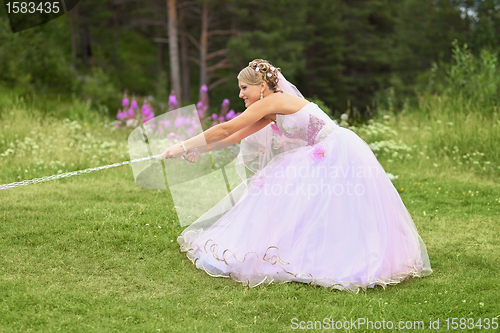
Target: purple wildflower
[(165, 123), (125, 100), (230, 115), (120, 115), (199, 109), (146, 110), (133, 105), (172, 101), (204, 98), (224, 108), (149, 117), (179, 121)]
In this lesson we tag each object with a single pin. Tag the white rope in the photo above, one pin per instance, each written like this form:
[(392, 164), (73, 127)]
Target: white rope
[(73, 173)]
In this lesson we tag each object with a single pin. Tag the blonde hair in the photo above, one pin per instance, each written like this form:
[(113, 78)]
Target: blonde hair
[(259, 70)]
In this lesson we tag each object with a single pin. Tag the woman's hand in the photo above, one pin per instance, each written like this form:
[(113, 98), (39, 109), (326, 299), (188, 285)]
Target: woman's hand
[(192, 155), (174, 151)]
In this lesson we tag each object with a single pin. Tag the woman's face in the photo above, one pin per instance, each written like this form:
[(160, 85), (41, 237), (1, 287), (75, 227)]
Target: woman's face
[(249, 92)]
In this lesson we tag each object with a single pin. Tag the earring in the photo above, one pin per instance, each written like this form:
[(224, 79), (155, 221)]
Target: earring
[(261, 95)]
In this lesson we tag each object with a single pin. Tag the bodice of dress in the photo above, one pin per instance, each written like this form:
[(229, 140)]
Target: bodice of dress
[(305, 125)]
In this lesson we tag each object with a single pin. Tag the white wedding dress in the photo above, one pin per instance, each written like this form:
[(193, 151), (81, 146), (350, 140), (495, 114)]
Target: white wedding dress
[(318, 208)]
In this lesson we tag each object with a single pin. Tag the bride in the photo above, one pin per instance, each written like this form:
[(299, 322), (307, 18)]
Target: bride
[(317, 208)]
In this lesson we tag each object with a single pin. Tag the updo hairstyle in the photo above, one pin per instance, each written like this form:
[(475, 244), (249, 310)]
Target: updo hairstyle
[(259, 70)]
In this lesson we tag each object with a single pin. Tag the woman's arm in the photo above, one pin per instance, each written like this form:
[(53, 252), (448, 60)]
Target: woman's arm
[(220, 132), (236, 137), (247, 131), (253, 114)]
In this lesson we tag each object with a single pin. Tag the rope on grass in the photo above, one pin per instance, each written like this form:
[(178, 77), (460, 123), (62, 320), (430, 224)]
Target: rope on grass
[(73, 173)]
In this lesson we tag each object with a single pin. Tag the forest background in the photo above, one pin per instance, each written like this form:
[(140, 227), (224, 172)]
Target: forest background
[(357, 54)]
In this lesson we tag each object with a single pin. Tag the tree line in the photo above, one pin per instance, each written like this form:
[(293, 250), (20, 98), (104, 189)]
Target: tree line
[(342, 52)]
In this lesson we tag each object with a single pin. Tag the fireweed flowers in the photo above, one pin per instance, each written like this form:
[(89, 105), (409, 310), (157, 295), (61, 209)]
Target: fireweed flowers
[(172, 101), (131, 116), (224, 114)]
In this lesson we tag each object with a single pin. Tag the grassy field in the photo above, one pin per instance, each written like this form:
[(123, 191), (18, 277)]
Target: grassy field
[(96, 253)]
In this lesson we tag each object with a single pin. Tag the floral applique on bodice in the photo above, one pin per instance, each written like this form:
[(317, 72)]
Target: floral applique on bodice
[(303, 125)]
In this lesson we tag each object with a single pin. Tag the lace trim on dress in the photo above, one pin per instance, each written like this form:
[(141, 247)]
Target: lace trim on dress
[(275, 260)]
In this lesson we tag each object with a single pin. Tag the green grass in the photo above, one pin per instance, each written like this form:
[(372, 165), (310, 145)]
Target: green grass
[(96, 253)]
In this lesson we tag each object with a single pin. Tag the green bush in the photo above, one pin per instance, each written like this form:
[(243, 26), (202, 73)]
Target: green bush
[(98, 89), (469, 79), (475, 78), (36, 59)]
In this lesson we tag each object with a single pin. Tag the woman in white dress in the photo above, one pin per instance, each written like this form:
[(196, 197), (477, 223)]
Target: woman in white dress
[(318, 207)]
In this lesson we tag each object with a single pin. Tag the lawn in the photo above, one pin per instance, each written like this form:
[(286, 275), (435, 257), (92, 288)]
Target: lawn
[(97, 253)]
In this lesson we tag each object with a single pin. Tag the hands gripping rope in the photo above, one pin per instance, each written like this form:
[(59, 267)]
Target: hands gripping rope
[(174, 152), (190, 156)]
